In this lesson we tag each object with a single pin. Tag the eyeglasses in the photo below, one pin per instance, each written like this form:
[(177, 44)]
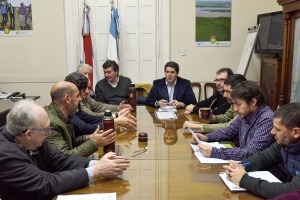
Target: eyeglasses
[(220, 80), (47, 131)]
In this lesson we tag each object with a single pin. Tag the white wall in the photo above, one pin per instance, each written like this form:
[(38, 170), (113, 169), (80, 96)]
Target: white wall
[(201, 63), (32, 64)]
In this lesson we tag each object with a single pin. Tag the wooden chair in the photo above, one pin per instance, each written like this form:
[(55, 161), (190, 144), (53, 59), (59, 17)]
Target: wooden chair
[(196, 86), (142, 90), (209, 86)]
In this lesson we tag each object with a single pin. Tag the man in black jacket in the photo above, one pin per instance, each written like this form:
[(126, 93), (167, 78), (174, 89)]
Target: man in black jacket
[(218, 103), (32, 169)]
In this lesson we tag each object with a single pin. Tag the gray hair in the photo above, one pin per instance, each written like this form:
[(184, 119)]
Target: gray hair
[(21, 117), (83, 65)]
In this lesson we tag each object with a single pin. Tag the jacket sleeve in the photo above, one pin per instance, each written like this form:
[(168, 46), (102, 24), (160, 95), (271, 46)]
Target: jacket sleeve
[(189, 95), (266, 160), (96, 108), (153, 95), (227, 116), (80, 127), (81, 146), (207, 128), (18, 172)]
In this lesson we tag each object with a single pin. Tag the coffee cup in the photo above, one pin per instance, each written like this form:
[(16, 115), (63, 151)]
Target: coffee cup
[(205, 113)]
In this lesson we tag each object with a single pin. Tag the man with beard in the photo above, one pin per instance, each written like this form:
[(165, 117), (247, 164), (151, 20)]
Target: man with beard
[(65, 99), (217, 101), (222, 120), (252, 127), (285, 151)]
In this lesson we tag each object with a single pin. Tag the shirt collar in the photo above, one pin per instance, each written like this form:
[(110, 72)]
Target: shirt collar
[(173, 84), (115, 83)]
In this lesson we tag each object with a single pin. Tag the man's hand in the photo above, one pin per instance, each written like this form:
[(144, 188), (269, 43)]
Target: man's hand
[(205, 149), (188, 124), (189, 108), (104, 138), (126, 120), (110, 166), (123, 105), (162, 103), (176, 104), (234, 171)]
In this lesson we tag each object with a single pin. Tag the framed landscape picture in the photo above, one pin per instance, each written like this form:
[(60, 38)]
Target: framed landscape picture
[(213, 22)]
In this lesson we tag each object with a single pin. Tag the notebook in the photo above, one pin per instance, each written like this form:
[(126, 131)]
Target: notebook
[(264, 175)]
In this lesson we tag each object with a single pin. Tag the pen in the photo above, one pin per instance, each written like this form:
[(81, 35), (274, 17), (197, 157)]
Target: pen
[(246, 164)]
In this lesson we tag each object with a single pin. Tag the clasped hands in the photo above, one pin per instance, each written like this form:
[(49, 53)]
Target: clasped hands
[(175, 103), (234, 171)]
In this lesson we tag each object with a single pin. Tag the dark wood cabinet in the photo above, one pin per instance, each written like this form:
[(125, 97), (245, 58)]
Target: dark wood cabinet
[(270, 80), (290, 73)]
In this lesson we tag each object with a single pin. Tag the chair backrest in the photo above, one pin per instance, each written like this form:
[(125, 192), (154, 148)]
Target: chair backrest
[(196, 86), (209, 86), (142, 90)]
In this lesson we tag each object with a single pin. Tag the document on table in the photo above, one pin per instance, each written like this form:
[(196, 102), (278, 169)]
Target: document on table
[(204, 159), (264, 175), (165, 115), (168, 108), (96, 196)]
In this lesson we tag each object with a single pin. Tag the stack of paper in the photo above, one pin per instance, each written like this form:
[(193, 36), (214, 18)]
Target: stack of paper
[(168, 108), (264, 175), (96, 196), (165, 115)]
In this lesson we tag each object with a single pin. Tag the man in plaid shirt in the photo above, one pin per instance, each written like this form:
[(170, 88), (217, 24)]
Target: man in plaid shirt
[(252, 127)]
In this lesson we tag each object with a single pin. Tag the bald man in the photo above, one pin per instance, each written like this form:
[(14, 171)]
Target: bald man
[(65, 99), (32, 169)]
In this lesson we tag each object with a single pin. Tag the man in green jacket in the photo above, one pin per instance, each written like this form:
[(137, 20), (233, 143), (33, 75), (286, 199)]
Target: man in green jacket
[(223, 120), (65, 99), (285, 151)]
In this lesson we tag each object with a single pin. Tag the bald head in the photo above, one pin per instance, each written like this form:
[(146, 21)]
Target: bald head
[(60, 89)]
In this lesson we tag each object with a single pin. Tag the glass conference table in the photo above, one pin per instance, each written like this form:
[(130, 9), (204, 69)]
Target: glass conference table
[(168, 169)]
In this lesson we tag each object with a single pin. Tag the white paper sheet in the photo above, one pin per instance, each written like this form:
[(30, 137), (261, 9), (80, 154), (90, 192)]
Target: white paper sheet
[(265, 175), (96, 196), (165, 115), (167, 108), (204, 159)]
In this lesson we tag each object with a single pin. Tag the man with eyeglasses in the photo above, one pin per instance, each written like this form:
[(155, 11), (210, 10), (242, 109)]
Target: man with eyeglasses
[(32, 169), (222, 120), (217, 102)]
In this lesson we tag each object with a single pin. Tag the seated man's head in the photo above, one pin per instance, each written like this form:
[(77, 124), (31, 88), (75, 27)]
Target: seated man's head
[(111, 71), (85, 69), (221, 75), (286, 122), (66, 96), (81, 82), (28, 123), (171, 72), (247, 97), (230, 83)]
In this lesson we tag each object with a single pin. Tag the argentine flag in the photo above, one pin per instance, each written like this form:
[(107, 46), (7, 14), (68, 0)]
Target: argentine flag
[(113, 47)]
